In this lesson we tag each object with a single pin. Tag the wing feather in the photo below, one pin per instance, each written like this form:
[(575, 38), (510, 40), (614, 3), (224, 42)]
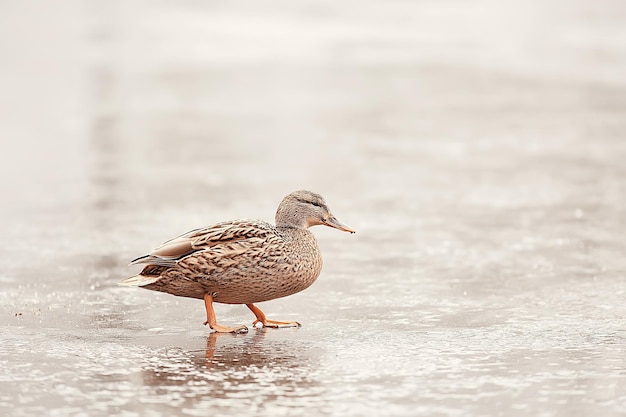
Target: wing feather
[(227, 234)]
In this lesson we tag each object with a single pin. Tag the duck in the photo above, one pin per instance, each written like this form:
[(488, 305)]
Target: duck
[(243, 261)]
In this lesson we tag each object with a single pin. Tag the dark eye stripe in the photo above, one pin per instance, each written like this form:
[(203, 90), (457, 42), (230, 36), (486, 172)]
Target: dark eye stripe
[(315, 203)]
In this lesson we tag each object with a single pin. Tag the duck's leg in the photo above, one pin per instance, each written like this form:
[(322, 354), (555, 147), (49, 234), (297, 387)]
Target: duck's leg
[(260, 318), (212, 322)]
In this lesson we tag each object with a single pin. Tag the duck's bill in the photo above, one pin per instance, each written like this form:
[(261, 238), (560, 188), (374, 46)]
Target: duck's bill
[(333, 222)]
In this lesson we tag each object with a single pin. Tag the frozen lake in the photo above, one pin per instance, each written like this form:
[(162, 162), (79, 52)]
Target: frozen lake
[(477, 147)]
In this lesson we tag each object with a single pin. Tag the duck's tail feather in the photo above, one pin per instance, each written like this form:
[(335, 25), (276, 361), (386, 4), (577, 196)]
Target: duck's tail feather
[(139, 280), (154, 260)]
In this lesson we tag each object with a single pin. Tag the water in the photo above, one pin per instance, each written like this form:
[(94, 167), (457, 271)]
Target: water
[(476, 147)]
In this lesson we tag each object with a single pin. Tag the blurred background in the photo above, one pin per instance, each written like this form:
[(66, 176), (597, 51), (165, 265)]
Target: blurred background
[(477, 147)]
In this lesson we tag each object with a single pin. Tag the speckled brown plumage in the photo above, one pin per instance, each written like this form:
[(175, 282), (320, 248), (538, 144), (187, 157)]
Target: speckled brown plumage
[(242, 261)]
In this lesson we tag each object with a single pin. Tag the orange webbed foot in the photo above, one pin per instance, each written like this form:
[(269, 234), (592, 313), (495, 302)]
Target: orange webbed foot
[(275, 324), (218, 328), (265, 322)]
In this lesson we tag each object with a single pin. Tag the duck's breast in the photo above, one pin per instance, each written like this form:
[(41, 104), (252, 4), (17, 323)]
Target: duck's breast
[(272, 271)]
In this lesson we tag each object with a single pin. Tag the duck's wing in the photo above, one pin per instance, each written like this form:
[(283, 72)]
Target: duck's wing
[(224, 234)]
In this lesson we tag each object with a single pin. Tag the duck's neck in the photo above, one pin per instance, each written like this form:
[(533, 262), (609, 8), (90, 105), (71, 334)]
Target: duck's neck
[(290, 219), (291, 228)]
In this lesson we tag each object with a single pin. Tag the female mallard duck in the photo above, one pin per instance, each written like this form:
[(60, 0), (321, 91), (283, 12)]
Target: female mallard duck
[(242, 261)]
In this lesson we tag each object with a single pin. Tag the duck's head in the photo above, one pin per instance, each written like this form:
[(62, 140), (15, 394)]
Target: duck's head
[(303, 209)]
